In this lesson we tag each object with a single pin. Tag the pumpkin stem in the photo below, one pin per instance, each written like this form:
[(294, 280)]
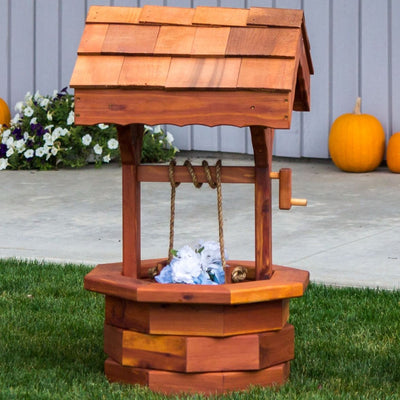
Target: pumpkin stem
[(357, 107)]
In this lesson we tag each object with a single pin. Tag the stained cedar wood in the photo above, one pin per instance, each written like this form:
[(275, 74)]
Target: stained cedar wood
[(199, 354), (274, 42), (144, 71), (213, 320), (121, 15), (218, 36), (275, 17), (90, 69), (285, 283), (208, 383), (285, 188), (92, 38), (130, 39), (130, 138), (159, 173), (220, 16), (267, 73), (175, 40), (212, 73), (182, 107), (262, 140), (166, 15)]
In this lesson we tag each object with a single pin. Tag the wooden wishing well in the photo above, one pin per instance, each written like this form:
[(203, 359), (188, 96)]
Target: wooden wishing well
[(181, 66)]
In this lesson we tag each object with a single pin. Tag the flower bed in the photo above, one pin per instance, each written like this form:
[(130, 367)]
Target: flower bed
[(43, 136)]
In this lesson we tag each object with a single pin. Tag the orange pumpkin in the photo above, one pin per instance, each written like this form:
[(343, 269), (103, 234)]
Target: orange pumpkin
[(5, 115), (393, 153), (357, 141)]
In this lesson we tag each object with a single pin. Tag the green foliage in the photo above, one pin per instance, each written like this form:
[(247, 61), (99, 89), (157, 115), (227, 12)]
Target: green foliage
[(43, 136), (51, 338)]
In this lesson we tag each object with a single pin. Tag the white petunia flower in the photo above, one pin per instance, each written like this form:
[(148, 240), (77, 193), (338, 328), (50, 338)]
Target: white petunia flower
[(157, 129), (26, 136), (169, 138), (33, 121), (186, 267), (55, 93), (3, 163), (49, 116), (15, 118), (40, 152), (48, 138), (20, 145), (112, 144), (18, 106), (44, 103), (9, 152), (64, 132), (54, 151), (48, 127), (71, 118), (10, 141), (28, 97), (98, 149), (28, 111), (37, 95), (102, 126), (107, 158), (87, 139), (29, 153), (5, 136), (56, 133)]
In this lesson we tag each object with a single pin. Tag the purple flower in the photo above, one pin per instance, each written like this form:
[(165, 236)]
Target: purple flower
[(40, 131), (17, 132), (3, 150)]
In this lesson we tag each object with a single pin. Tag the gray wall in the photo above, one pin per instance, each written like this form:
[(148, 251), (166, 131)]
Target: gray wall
[(355, 46)]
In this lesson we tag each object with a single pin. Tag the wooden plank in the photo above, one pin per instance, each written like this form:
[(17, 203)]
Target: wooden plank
[(262, 139), (220, 16), (175, 40), (203, 73), (267, 73), (209, 108), (144, 71), (97, 71), (272, 42), (175, 383), (218, 36), (199, 354), (116, 15), (166, 15), (130, 143), (159, 173), (275, 17), (130, 39), (92, 38)]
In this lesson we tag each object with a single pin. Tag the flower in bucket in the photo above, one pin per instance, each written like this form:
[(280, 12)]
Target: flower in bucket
[(201, 265)]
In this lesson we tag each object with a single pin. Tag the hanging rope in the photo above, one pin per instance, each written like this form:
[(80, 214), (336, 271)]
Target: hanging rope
[(213, 184)]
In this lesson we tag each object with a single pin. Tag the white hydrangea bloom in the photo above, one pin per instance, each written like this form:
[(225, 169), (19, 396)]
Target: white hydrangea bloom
[(186, 267), (112, 144), (98, 149), (87, 139), (71, 118), (3, 163)]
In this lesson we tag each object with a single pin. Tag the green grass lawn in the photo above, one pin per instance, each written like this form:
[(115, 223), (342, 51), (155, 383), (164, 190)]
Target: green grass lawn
[(51, 337)]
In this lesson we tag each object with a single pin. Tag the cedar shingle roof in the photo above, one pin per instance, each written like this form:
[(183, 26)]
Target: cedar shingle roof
[(170, 50)]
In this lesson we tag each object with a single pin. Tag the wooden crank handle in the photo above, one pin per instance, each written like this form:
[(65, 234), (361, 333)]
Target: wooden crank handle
[(298, 202)]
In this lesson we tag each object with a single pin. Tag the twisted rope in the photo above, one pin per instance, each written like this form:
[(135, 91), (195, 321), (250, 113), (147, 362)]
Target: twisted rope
[(174, 185)]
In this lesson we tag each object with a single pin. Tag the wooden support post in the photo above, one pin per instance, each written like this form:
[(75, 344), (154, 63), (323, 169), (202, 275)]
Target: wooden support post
[(130, 140), (262, 139)]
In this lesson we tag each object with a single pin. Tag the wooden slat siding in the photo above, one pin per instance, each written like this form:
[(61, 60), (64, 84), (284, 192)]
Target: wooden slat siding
[(275, 17), (92, 38), (302, 89), (267, 73), (171, 15), (159, 173), (222, 16), (210, 383), (97, 71), (116, 15), (130, 39), (174, 40), (272, 42), (144, 71), (198, 73), (121, 107), (218, 36)]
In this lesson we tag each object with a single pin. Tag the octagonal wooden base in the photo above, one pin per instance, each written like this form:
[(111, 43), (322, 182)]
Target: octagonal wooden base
[(199, 339)]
